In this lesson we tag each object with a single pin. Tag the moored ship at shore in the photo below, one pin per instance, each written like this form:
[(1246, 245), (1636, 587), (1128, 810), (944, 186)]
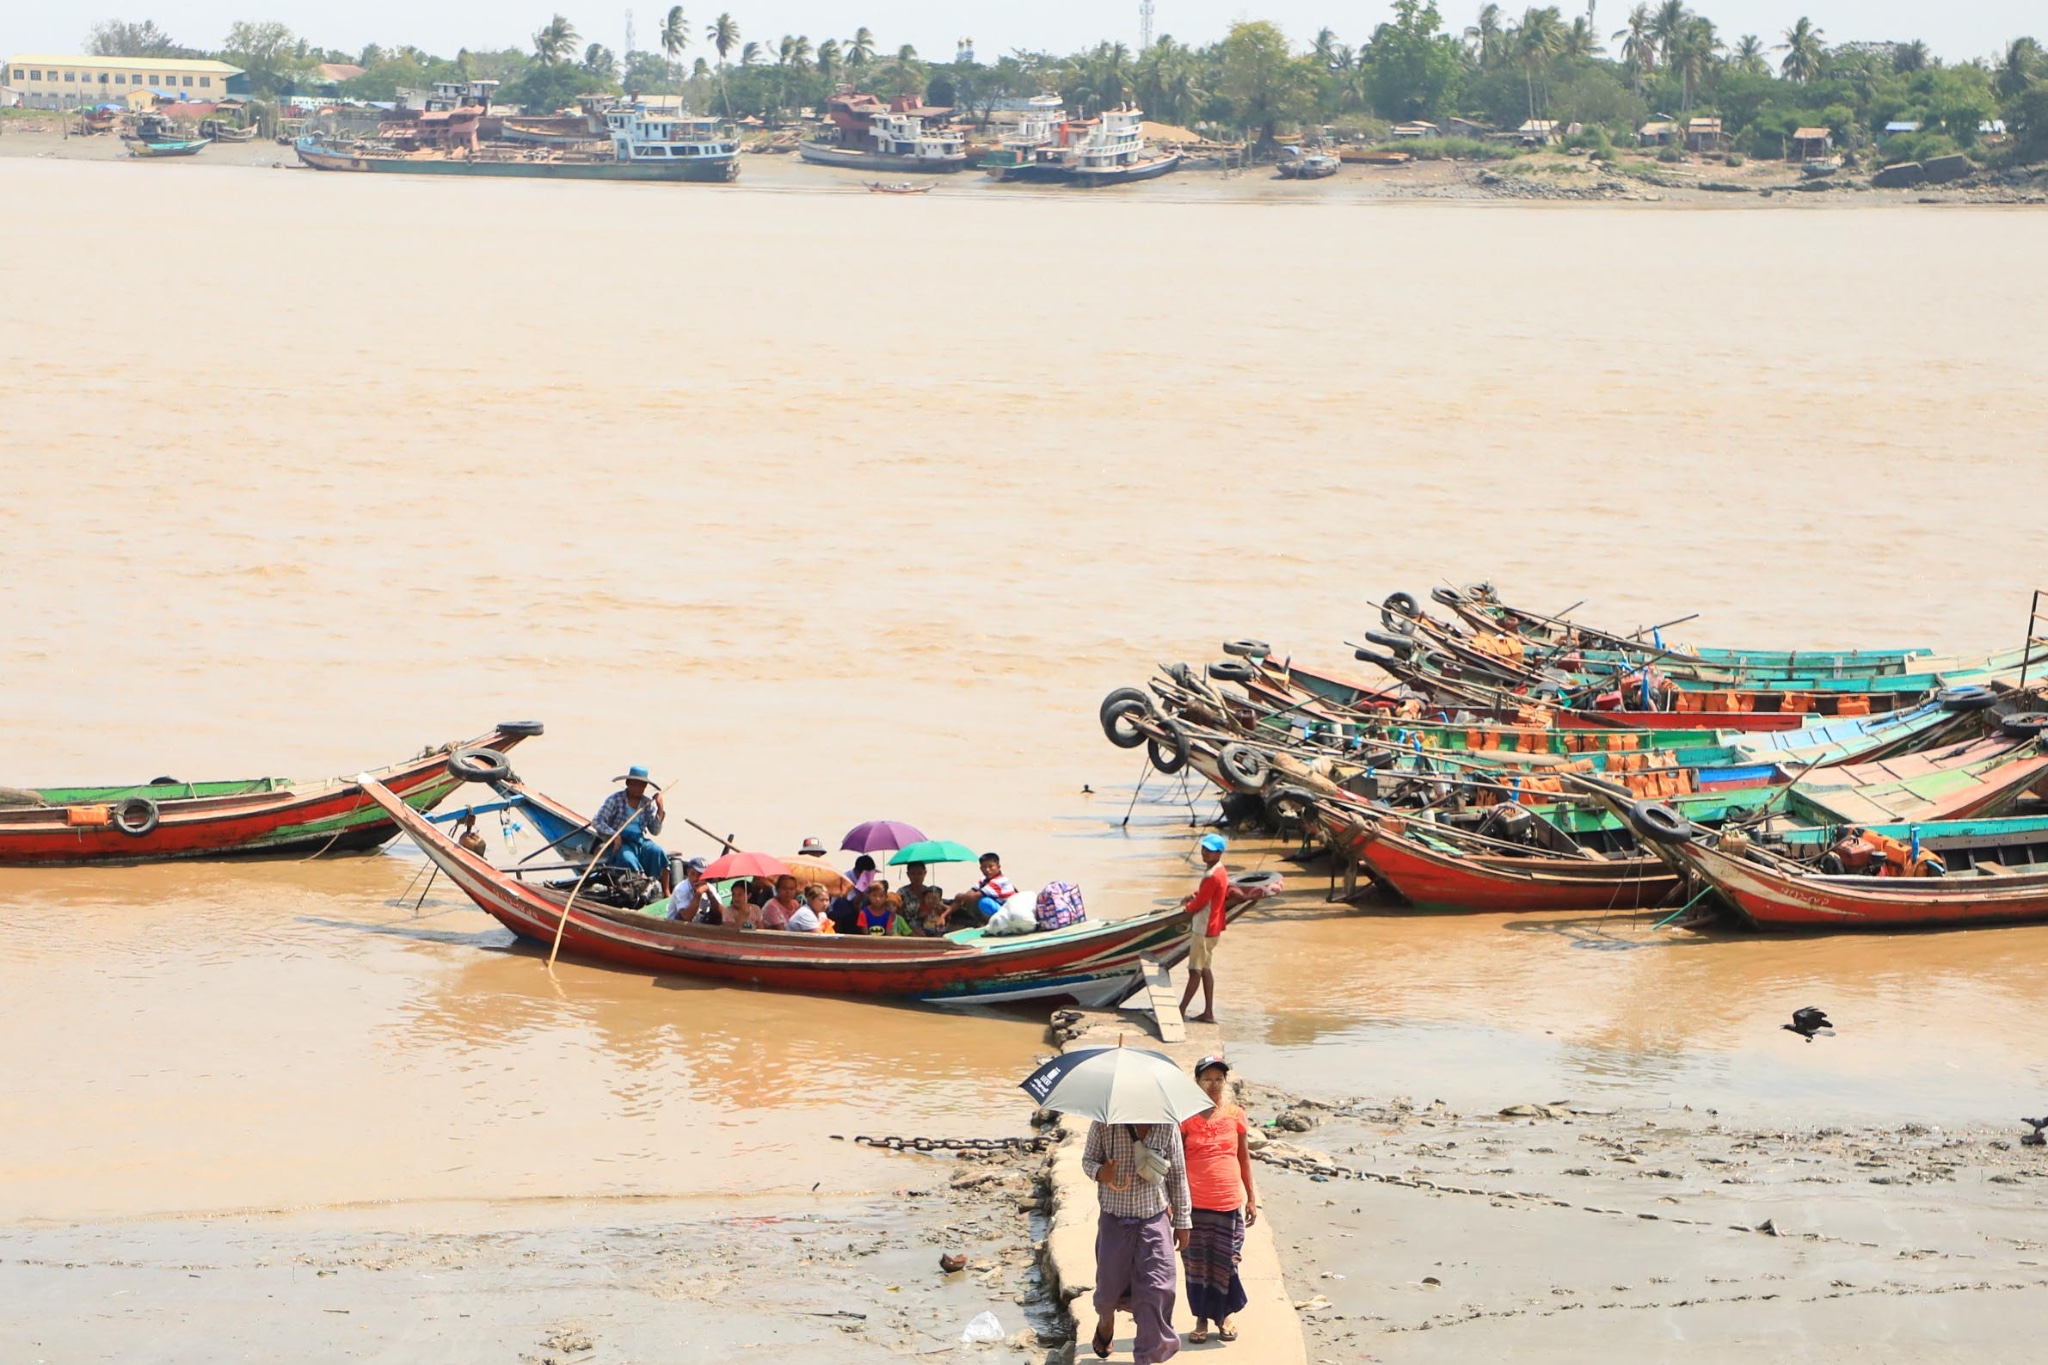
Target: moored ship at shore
[(1108, 150), (643, 146), (866, 134)]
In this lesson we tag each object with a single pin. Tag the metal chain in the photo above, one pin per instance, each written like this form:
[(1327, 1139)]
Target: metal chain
[(925, 1144)]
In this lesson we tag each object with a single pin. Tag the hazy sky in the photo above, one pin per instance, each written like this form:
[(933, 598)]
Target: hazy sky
[(1954, 30)]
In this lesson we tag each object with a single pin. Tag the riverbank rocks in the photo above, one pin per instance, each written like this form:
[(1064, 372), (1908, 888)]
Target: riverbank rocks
[(1902, 176), (1940, 170)]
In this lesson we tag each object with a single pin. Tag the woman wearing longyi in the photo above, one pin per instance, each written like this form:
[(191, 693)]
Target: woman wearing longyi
[(1225, 1203)]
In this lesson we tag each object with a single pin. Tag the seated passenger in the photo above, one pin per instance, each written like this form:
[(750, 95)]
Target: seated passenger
[(916, 885), (989, 894), (691, 894), (819, 906), (775, 912), (877, 911), (808, 917), (739, 910), (932, 911)]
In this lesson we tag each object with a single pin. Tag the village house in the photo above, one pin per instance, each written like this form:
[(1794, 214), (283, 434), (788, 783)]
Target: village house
[(1704, 135), (1657, 133), (1417, 129), (1810, 144)]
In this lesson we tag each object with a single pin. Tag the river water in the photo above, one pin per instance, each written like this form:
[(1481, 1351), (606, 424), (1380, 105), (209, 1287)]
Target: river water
[(832, 507)]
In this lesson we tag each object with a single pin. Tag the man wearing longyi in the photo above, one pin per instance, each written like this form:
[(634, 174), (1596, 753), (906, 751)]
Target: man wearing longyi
[(630, 810)]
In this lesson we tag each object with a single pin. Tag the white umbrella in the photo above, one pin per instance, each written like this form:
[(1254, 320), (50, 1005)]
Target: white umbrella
[(1117, 1085)]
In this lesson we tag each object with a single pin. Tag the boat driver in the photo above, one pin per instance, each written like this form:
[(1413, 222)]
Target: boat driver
[(631, 810)]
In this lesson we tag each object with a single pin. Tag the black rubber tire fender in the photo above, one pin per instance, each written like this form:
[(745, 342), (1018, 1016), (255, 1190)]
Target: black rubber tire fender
[(521, 729), (1245, 766), (1373, 656), (1661, 823), (479, 765), (1114, 713), (1288, 803), (1232, 670), (1449, 597), (1169, 760), (1136, 694), (2024, 724), (136, 816), (1401, 645), (1398, 608), (1247, 649), (1252, 881), (1966, 698)]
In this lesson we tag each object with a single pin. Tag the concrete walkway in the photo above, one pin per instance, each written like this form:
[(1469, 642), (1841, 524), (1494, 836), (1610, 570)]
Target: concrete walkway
[(1269, 1331)]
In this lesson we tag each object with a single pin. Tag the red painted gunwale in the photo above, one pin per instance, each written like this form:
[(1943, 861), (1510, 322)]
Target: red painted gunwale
[(224, 826)]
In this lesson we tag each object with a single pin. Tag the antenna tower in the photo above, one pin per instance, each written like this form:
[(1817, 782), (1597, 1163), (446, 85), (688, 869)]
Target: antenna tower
[(629, 33), (1144, 24)]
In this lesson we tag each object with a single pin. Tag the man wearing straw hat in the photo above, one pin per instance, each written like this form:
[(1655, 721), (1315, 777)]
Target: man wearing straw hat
[(629, 814)]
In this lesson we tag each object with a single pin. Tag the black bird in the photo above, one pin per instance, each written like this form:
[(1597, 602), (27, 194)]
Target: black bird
[(1807, 1022), (2037, 1138)]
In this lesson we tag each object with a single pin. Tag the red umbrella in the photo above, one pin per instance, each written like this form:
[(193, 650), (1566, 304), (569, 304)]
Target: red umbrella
[(745, 865)]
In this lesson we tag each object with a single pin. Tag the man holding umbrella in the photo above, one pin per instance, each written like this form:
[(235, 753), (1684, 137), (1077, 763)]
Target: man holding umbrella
[(1136, 1100), (633, 818)]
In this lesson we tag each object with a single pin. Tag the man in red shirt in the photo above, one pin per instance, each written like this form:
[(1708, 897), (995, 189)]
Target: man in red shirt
[(1205, 926)]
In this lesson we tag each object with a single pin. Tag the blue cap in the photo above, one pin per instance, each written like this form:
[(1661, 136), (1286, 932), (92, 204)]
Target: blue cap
[(1214, 843)]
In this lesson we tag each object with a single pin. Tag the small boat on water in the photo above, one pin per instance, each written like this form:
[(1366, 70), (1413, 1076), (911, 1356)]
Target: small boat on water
[(165, 818), (866, 134), (1300, 165), (1093, 962), (899, 187), (644, 146)]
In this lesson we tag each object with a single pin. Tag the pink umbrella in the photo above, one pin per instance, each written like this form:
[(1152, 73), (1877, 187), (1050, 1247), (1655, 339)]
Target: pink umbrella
[(745, 865), (880, 836)]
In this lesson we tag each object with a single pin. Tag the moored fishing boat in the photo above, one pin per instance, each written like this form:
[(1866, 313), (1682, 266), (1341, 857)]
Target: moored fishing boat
[(156, 151), (1093, 962), (167, 819), (1113, 151)]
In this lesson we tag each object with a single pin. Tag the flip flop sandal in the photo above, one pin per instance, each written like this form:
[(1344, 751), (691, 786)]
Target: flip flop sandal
[(1198, 1336), (1101, 1345), (1226, 1334)]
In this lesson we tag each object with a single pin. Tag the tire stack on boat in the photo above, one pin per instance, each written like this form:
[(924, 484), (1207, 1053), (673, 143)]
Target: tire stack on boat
[(1510, 761)]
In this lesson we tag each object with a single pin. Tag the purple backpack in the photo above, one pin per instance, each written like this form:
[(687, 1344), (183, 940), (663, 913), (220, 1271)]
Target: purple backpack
[(1059, 904)]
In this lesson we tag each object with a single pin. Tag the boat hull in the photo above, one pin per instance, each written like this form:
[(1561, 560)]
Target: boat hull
[(847, 158), (1125, 175), (1770, 899), (1094, 962), (1431, 879), (332, 816), (695, 170)]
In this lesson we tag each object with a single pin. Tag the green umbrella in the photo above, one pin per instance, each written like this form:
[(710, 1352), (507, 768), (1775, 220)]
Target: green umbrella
[(934, 851)]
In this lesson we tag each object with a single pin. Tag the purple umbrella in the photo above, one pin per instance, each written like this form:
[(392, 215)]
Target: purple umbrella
[(880, 836)]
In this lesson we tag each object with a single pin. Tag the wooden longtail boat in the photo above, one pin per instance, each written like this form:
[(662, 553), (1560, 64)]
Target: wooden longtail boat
[(165, 819), (1093, 962), (1774, 896)]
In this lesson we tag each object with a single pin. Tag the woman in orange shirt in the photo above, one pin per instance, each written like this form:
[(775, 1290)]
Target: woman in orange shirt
[(1225, 1204)]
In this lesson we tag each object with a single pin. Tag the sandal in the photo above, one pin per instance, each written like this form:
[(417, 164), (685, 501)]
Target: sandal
[(1198, 1336), (1102, 1345), (1226, 1334)]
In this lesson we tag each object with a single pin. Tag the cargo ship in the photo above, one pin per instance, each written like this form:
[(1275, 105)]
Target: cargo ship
[(867, 135)]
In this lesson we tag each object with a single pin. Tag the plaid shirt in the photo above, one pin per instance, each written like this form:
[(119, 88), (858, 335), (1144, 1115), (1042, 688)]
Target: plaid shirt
[(618, 809), (1112, 1142)]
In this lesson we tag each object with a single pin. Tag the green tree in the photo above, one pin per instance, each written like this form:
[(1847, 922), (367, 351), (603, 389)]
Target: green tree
[(600, 65), (1908, 58), (675, 37), (1263, 82), (1537, 41), (113, 38), (555, 43), (1638, 47), (1802, 47), (861, 49), (724, 35), (1168, 81), (268, 52), (2020, 68), (1749, 56), (1412, 67), (1488, 38), (1691, 54), (830, 62)]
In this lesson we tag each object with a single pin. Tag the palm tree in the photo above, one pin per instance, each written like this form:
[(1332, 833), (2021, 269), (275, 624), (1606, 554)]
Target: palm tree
[(1665, 22), (751, 54), (2018, 70), (1579, 40), (1324, 47), (1488, 39), (1690, 52), (906, 54), (1749, 56), (861, 50), (599, 62), (1802, 47), (829, 60), (724, 34), (553, 44), (1638, 48), (1537, 41), (1909, 57), (675, 36)]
